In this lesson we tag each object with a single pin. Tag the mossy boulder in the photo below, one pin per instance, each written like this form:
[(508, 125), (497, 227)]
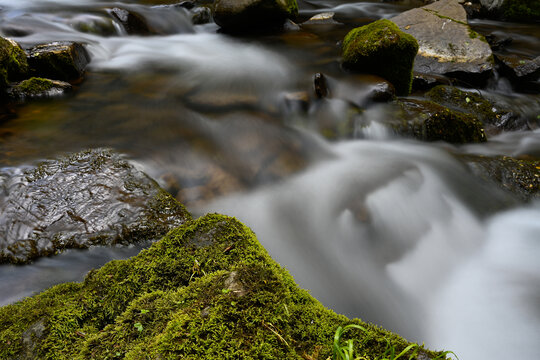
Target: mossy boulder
[(242, 15), (58, 60), (207, 290), (38, 87), (473, 103), (382, 49), (89, 198), (13, 63), (428, 121)]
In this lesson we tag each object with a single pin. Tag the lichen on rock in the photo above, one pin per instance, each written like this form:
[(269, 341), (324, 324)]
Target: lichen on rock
[(207, 290), (381, 48)]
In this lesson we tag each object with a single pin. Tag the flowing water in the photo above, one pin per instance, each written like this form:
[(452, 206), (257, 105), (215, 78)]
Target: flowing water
[(393, 231)]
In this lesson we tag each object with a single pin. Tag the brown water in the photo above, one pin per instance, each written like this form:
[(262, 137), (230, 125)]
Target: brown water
[(414, 240)]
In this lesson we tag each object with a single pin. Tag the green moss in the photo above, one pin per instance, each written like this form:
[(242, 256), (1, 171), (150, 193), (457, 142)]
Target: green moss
[(13, 63), (521, 10), (35, 85), (429, 121), (471, 103), (207, 290), (381, 48)]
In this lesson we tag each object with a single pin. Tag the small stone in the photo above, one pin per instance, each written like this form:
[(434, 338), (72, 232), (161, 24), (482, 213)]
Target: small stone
[(39, 87), (321, 85), (326, 18)]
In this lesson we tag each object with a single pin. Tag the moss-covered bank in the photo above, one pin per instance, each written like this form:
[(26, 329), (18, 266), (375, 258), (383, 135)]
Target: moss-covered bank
[(207, 290), (381, 48)]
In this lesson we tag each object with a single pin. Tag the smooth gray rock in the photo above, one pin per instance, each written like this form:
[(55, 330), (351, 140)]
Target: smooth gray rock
[(448, 46)]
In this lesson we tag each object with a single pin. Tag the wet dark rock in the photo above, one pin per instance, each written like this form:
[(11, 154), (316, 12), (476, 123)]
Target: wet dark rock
[(382, 92), (380, 48), (524, 73), (423, 82), (493, 116), (201, 15), (523, 69), (16, 31), (428, 121), (320, 85), (497, 43), (448, 46), (89, 198), (13, 62), (38, 88), (133, 23), (473, 9), (58, 60), (239, 15), (520, 177), (186, 5)]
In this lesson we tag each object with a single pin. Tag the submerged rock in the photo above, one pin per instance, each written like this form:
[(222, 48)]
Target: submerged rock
[(207, 290), (448, 46), (234, 15), (425, 120), (38, 87), (13, 63), (474, 103), (58, 60), (381, 48), (89, 198)]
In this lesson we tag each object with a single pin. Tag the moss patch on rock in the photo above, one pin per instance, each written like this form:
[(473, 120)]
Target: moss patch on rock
[(518, 176), (35, 85), (383, 49), (13, 63), (207, 290), (475, 104), (521, 10), (429, 121)]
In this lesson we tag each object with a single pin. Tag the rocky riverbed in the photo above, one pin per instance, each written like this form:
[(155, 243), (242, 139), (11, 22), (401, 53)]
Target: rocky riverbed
[(379, 149)]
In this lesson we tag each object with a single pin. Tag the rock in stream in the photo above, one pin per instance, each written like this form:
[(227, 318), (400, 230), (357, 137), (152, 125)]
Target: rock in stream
[(89, 198)]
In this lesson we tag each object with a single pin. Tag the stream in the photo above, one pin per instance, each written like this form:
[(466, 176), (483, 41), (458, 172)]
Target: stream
[(393, 231)]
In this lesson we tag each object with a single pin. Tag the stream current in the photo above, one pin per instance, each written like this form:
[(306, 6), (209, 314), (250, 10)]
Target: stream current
[(392, 231)]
